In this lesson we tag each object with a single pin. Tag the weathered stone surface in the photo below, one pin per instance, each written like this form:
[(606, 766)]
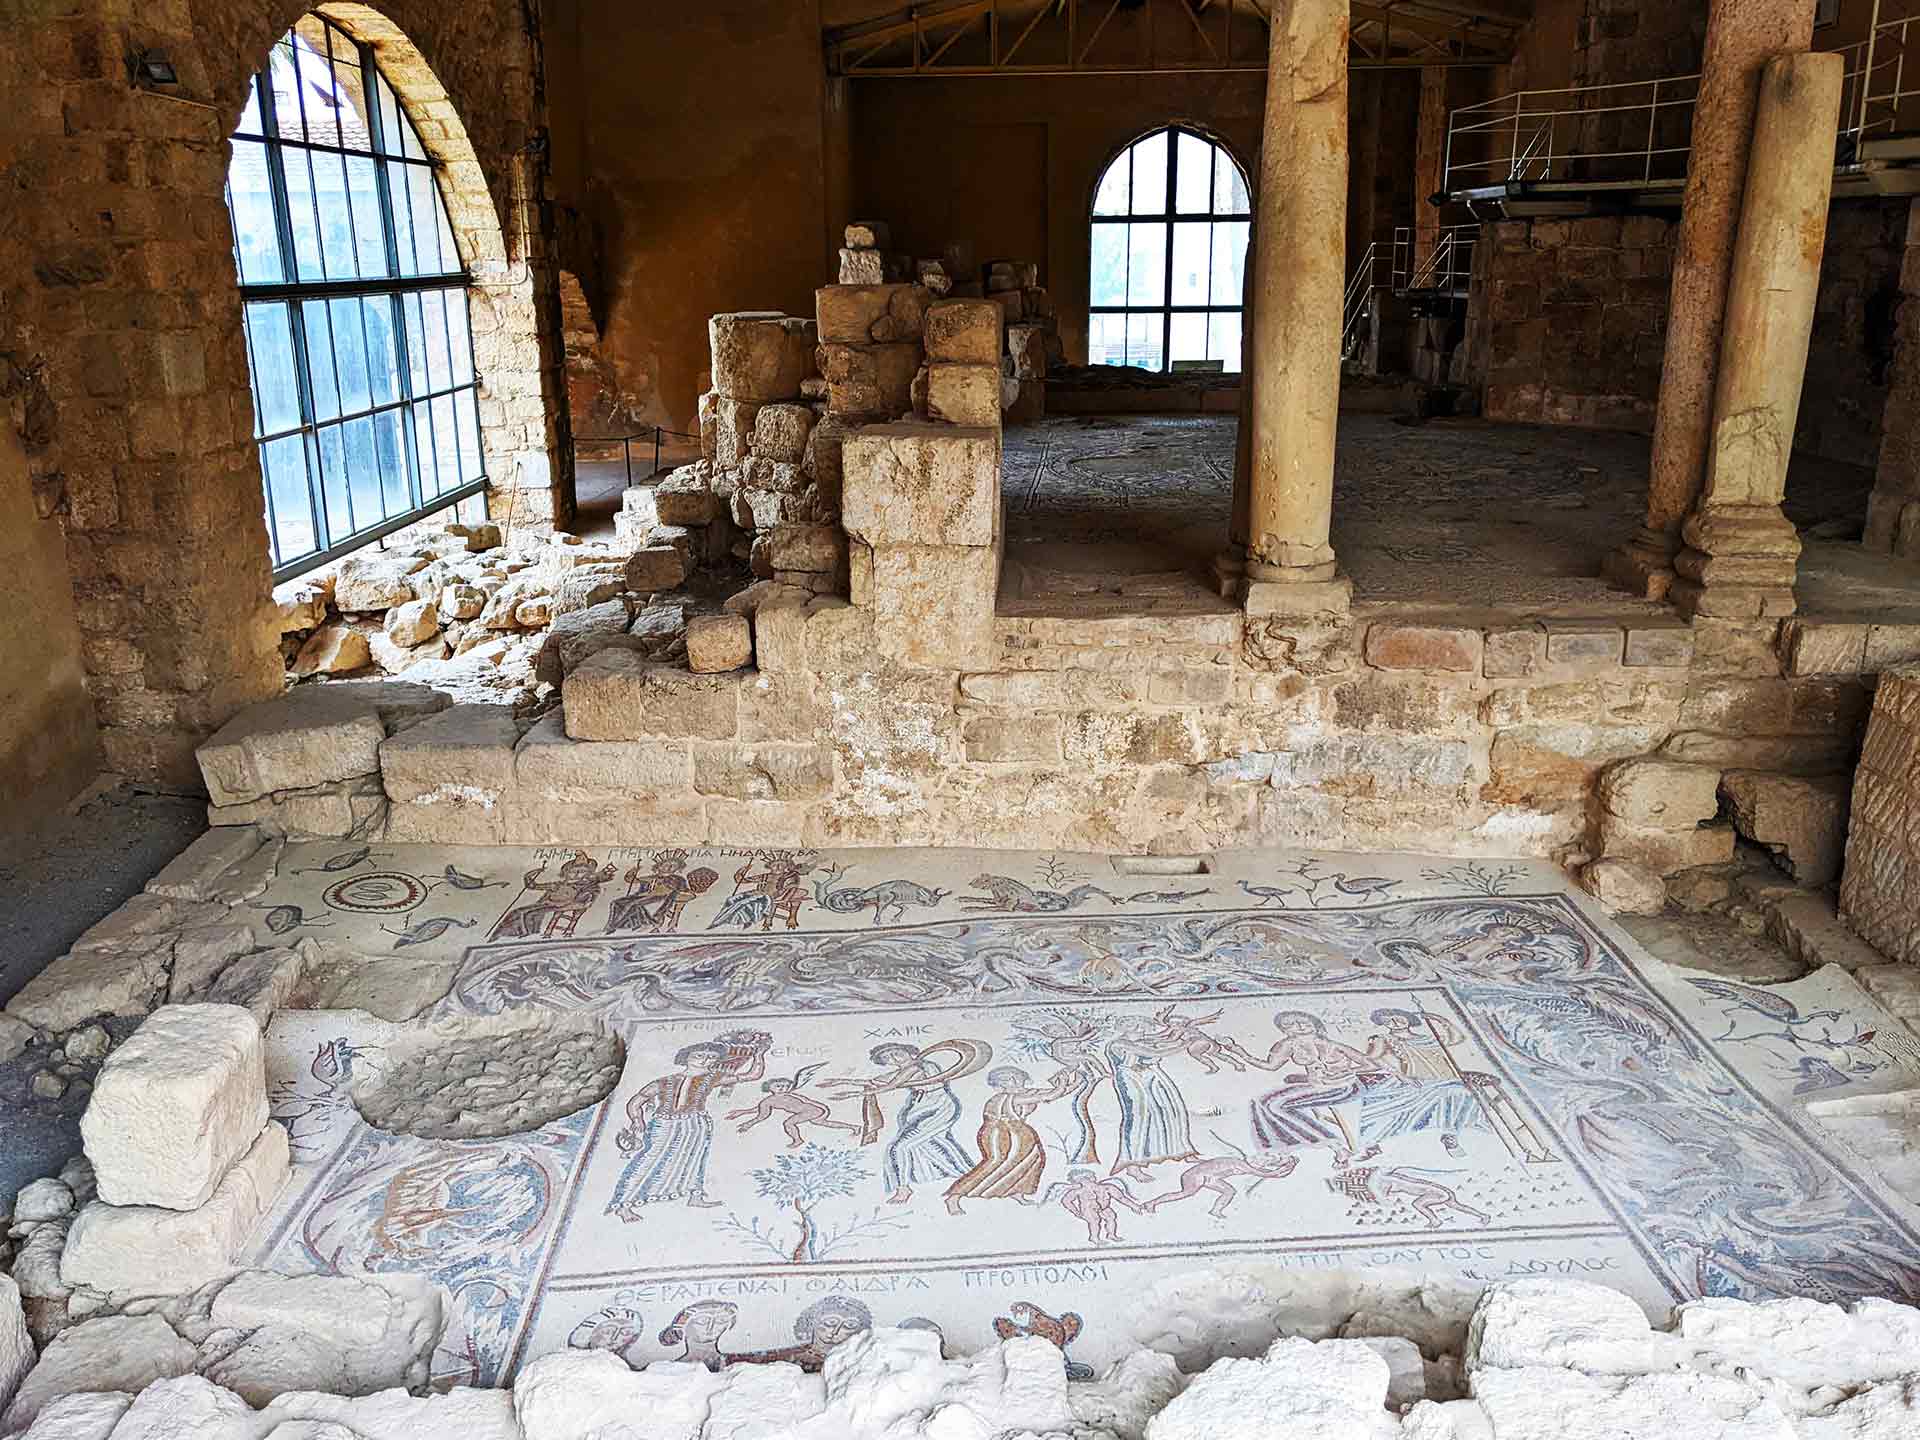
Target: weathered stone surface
[(1395, 646), (186, 1405), (201, 954), (1514, 653), (314, 735), (856, 314), (657, 567), (685, 496), (763, 772), (84, 983), (149, 1250), (862, 266), (413, 623), (1659, 645), (17, 1355), (349, 807), (868, 235), (814, 549), (1623, 886), (548, 765), (461, 602), (1880, 890), (732, 431), (175, 1106), (375, 580), (461, 759), (963, 394), (870, 379), (718, 643), (1661, 793), (1665, 851), (933, 605), (964, 332), (617, 695), (193, 873), (576, 635), (1815, 647), (343, 1334), (760, 355), (779, 435), (260, 983), (922, 484), (1584, 643), (117, 1353), (997, 740), (85, 1415), (1301, 1391), (332, 650), (1804, 822)]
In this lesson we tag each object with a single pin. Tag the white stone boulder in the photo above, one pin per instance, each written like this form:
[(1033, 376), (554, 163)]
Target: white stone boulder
[(192, 874), (413, 623), (1557, 1404), (16, 1345), (86, 1415), (1624, 887), (1580, 1326), (1128, 1396), (176, 1105), (119, 1352), (1803, 1344), (186, 1407), (313, 735), (1302, 1390), (346, 1334), (463, 1414), (375, 580), (135, 1250), (593, 1392)]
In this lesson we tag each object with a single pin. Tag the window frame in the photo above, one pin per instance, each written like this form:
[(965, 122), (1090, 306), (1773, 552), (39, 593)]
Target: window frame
[(335, 536), (1167, 218)]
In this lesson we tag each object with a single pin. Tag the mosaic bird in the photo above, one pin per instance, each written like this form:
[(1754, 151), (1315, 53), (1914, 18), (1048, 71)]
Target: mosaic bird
[(1817, 1074), (1266, 894), (345, 860), (460, 880), (1769, 1005), (425, 930), (1363, 886), (282, 918)]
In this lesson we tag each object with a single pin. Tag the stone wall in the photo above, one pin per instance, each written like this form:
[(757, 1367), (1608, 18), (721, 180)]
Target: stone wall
[(1566, 321), (1880, 898), (1851, 353), (121, 353)]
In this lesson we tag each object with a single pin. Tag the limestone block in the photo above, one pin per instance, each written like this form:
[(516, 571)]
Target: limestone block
[(922, 484), (779, 436), (1661, 793), (760, 356), (964, 394), (718, 643), (375, 580), (863, 314), (1302, 1390), (576, 635), (1538, 1404), (1623, 886), (685, 496), (1026, 345), (84, 1415), (997, 740), (349, 807), (465, 752), (733, 430), (258, 983), (870, 379), (1587, 644), (862, 266), (332, 650), (1665, 851), (302, 604), (116, 1353), (344, 1334), (313, 735), (413, 623), (186, 1405), (656, 568), (1890, 645), (763, 772), (17, 1355), (964, 332), (550, 766), (200, 955), (617, 695), (1659, 645), (193, 873), (933, 604), (182, 1099), (780, 633), (152, 1250), (1393, 646), (1804, 822), (1514, 653), (814, 549), (579, 589), (658, 627), (84, 984), (868, 235)]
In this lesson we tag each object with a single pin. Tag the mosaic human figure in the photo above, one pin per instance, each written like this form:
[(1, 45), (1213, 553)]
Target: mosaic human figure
[(1154, 1124), (1429, 1091), (1090, 1200), (561, 902), (819, 1330), (658, 893), (1215, 1177), (782, 1095), (773, 891), (1012, 1158), (697, 1330), (923, 1149), (613, 1327), (669, 1134), (1024, 1318), (1320, 1075), (1375, 1185)]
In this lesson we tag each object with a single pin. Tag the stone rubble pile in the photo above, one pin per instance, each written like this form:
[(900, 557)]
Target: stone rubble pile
[(1539, 1360)]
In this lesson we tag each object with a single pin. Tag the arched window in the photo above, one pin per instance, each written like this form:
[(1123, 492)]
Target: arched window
[(1169, 250), (364, 393)]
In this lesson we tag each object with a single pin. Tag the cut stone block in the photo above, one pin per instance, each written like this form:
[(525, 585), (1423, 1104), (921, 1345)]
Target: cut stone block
[(1584, 643), (617, 695), (1661, 793), (1392, 646), (551, 766), (864, 314), (332, 650), (1659, 645), (922, 484), (718, 643), (685, 496), (870, 379), (193, 873), (1804, 822), (200, 955), (779, 436), (760, 355), (375, 580), (1027, 347), (117, 1353), (258, 983), (576, 635), (1665, 851), (1514, 653), (84, 984), (868, 235), (815, 549), (175, 1106), (128, 1250), (964, 394), (1623, 886), (413, 623), (933, 604), (658, 567), (313, 735), (964, 332), (463, 752), (862, 266), (349, 807), (732, 430), (343, 1334)]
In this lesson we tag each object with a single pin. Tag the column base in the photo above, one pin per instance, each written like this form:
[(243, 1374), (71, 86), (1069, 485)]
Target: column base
[(1230, 571), (1332, 596), (1738, 563), (1643, 566)]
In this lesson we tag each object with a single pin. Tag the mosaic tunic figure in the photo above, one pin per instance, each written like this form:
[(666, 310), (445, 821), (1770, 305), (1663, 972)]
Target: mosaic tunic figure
[(669, 1133), (561, 904), (922, 1149), (1321, 1075), (1012, 1158), (1154, 1125), (1430, 1092)]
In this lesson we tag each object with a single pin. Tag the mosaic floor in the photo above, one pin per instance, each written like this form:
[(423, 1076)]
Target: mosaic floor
[(1002, 1094)]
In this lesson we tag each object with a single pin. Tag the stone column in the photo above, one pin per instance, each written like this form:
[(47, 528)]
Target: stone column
[(1298, 282), (1230, 565), (1893, 510), (1429, 161), (1740, 550), (1742, 35)]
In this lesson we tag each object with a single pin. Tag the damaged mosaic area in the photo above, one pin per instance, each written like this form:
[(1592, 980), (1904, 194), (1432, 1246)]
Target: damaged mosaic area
[(996, 1095)]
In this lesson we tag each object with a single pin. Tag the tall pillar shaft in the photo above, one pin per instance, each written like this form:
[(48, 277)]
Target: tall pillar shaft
[(1742, 35), (1298, 283), (1740, 550), (1893, 510)]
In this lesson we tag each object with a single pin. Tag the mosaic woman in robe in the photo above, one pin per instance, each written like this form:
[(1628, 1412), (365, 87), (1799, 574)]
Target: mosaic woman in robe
[(923, 1149), (1154, 1125), (1320, 1075), (669, 1133)]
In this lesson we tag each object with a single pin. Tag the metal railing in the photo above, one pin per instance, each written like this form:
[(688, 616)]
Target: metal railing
[(1626, 131), (1449, 264), (1355, 307), (1877, 95), (1391, 265), (654, 433)]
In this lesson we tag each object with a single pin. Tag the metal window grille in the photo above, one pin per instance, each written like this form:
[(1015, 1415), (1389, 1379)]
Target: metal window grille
[(365, 395), (1170, 223)]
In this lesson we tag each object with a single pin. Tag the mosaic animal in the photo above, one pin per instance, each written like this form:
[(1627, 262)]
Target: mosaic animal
[(1268, 894), (423, 931), (1024, 1318), (888, 899), (1768, 1005), (1006, 893), (1165, 897)]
